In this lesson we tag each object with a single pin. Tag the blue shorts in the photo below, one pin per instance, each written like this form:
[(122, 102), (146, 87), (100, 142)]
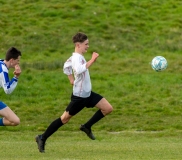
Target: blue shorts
[(2, 105)]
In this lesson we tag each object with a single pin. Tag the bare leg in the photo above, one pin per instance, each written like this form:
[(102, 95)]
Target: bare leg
[(104, 106), (104, 109), (65, 117), (9, 117)]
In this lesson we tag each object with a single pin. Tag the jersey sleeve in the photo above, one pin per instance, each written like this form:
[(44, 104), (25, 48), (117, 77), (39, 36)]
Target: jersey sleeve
[(79, 65), (67, 68), (7, 84)]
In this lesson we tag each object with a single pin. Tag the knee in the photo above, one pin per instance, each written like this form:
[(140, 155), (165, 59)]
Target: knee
[(65, 117), (109, 109), (16, 121), (65, 120)]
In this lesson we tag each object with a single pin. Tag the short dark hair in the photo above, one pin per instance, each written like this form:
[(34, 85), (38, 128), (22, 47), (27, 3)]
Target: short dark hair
[(12, 53), (79, 37)]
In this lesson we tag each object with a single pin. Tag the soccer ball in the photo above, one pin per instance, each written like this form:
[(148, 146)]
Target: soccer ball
[(159, 63)]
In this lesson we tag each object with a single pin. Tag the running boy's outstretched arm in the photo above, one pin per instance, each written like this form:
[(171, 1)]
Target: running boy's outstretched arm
[(92, 60)]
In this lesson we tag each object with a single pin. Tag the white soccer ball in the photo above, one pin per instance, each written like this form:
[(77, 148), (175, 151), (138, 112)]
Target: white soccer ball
[(159, 63)]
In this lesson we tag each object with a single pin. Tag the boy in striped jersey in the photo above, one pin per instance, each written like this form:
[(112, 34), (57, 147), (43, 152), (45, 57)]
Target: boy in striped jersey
[(12, 60)]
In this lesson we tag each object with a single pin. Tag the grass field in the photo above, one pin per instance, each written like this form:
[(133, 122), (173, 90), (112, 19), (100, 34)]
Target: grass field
[(146, 121), (108, 146)]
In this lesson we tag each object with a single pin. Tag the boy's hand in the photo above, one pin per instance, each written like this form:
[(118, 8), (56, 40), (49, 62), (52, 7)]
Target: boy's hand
[(95, 55), (17, 71)]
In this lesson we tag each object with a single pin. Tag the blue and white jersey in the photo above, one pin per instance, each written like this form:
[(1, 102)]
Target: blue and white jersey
[(82, 83), (5, 83)]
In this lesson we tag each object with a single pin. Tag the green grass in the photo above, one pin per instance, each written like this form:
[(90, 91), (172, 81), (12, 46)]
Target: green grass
[(127, 34), (108, 146)]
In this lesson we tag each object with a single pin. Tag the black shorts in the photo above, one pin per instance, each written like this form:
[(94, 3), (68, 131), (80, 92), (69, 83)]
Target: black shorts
[(78, 103)]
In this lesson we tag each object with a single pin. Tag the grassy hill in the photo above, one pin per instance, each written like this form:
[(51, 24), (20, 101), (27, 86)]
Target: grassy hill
[(127, 34)]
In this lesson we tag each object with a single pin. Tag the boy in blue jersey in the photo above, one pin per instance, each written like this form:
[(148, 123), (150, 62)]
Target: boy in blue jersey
[(82, 95), (12, 60)]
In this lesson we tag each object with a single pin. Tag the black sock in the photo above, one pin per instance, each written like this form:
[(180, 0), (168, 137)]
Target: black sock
[(53, 127), (95, 118)]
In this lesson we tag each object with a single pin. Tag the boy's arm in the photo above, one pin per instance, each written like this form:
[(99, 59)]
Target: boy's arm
[(67, 69), (71, 79), (8, 85), (80, 68), (92, 60), (17, 71)]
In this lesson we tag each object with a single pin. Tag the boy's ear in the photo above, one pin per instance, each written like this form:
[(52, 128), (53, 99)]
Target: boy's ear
[(11, 60)]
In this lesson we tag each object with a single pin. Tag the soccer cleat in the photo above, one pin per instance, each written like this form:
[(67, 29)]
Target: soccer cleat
[(40, 143), (87, 131)]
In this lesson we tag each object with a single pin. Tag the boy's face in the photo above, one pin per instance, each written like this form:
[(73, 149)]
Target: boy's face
[(14, 62), (83, 47)]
